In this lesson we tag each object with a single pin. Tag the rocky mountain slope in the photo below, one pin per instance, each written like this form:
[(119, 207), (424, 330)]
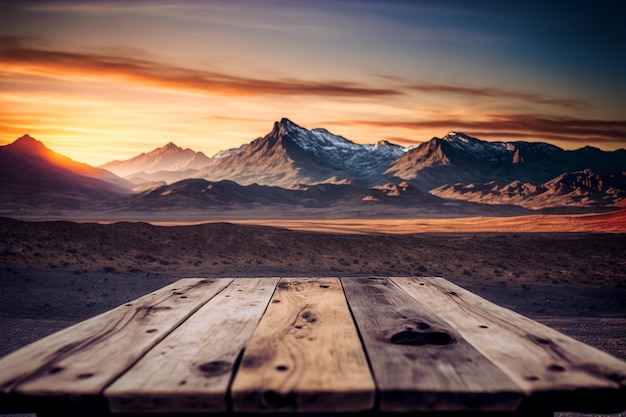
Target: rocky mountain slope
[(459, 158), (290, 155), (580, 189)]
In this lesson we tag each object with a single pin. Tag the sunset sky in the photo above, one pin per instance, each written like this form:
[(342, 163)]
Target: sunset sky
[(104, 80)]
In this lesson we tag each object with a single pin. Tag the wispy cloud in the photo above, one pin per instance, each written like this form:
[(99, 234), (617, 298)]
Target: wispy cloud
[(22, 57), (488, 92), (502, 126)]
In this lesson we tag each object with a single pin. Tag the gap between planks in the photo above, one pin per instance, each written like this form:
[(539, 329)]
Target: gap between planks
[(419, 362), (305, 355), (553, 370), (85, 358), (191, 369)]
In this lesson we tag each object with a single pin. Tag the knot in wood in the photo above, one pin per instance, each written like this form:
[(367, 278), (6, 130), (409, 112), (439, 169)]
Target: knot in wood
[(214, 368), (308, 317), (416, 338)]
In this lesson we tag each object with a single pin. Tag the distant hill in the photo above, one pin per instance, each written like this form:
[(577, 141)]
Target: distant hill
[(33, 177), (579, 189), (156, 164), (29, 151), (338, 199)]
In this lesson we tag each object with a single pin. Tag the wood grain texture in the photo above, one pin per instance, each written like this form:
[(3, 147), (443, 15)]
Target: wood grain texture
[(190, 370), (419, 362), (82, 359), (305, 355), (554, 370)]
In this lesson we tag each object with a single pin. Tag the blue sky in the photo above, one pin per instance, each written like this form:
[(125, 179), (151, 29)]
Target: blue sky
[(103, 80)]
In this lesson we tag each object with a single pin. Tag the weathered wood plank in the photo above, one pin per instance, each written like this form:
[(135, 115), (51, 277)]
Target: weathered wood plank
[(305, 355), (82, 359), (190, 370), (419, 362), (553, 369)]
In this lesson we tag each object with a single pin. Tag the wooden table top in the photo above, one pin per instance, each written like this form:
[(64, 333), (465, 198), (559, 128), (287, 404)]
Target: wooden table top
[(310, 345)]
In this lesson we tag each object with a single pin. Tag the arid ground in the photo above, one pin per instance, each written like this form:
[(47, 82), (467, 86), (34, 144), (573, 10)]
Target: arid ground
[(53, 274)]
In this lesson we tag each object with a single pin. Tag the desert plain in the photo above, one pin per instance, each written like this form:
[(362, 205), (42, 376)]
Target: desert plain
[(56, 273)]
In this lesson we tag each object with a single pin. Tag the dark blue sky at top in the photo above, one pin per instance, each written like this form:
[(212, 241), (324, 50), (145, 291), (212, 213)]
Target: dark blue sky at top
[(584, 38), (211, 74)]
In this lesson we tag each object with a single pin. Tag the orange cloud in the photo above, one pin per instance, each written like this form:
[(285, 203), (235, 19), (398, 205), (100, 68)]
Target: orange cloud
[(18, 56), (565, 129)]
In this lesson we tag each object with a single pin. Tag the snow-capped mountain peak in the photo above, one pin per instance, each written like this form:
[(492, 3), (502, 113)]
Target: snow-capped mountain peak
[(287, 125), (461, 138), (291, 154), (383, 142), (228, 152), (386, 147), (458, 136), (311, 139), (355, 159), (477, 148)]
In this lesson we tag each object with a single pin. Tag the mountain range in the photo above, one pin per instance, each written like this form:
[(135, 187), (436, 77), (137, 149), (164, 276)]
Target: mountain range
[(315, 169), (290, 155), (579, 189), (287, 156)]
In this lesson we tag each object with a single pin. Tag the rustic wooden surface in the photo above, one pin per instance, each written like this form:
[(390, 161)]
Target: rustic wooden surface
[(190, 370), (305, 354), (86, 357), (546, 364), (419, 361), (310, 345)]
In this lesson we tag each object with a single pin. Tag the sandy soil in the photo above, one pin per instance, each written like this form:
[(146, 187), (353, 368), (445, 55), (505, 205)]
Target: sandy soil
[(222, 249), (398, 220), (614, 222), (53, 274)]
